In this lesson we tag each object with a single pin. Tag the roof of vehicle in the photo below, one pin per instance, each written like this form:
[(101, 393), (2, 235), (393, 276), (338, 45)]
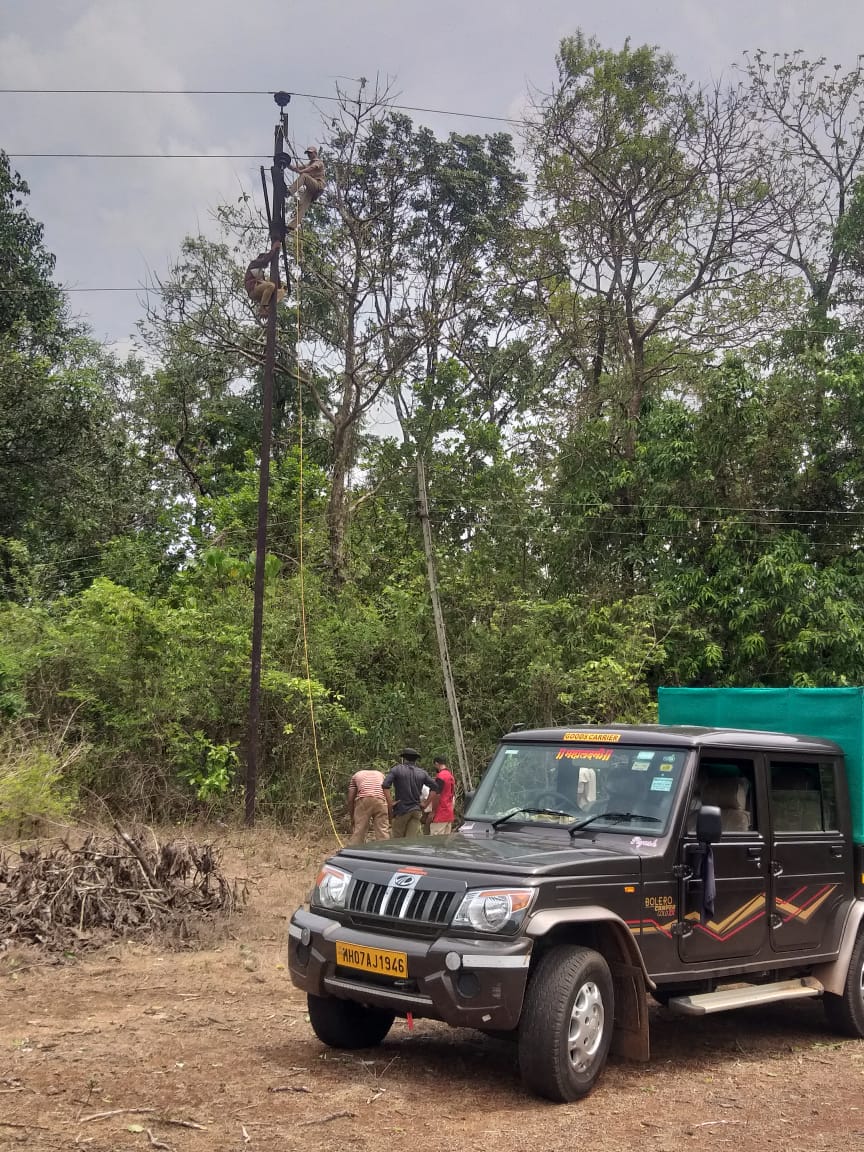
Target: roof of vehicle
[(668, 735)]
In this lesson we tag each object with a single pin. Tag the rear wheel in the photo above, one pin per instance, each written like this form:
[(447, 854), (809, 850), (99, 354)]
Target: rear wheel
[(566, 1025), (845, 1012), (346, 1024)]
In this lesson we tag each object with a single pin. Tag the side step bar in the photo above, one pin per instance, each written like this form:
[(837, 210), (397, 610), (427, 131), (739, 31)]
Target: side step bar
[(727, 998)]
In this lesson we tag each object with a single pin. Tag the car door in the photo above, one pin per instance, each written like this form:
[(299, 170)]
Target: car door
[(737, 928), (811, 859)]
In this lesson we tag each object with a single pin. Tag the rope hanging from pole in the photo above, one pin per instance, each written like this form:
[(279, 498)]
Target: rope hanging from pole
[(300, 557)]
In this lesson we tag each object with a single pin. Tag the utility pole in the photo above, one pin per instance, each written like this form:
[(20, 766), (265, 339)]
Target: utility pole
[(440, 631), (277, 231)]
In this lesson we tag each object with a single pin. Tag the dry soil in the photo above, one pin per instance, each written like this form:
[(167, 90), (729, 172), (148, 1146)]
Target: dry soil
[(112, 1051)]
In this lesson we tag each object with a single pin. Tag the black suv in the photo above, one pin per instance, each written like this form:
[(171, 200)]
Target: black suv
[(595, 865)]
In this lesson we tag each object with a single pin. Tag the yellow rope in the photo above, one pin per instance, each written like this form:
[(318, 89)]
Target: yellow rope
[(300, 546)]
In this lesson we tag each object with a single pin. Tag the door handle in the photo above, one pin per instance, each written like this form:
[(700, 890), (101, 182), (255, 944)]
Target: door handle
[(754, 853), (776, 868), (837, 850)]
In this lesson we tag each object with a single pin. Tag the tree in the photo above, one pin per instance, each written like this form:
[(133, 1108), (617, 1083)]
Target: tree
[(69, 470), (652, 217), (30, 303), (810, 141)]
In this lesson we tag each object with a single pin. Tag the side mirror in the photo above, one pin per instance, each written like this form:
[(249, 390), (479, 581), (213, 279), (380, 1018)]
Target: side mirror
[(709, 826), (469, 796)]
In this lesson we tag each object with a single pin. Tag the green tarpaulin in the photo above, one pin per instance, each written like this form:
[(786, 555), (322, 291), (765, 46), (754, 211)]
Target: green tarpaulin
[(830, 713)]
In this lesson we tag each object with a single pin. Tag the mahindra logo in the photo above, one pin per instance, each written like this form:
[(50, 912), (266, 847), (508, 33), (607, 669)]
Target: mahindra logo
[(405, 880)]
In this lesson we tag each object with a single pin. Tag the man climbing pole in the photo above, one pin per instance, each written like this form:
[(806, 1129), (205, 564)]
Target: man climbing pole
[(258, 287), (306, 188)]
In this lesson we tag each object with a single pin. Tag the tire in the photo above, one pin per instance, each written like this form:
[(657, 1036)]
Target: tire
[(845, 1013), (566, 1025), (346, 1024)]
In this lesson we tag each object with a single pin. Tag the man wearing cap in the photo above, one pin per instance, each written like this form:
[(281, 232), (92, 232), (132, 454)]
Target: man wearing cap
[(306, 188), (407, 779)]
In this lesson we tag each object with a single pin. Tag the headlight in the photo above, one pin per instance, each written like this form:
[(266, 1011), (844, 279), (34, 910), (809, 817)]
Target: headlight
[(331, 887), (493, 909)]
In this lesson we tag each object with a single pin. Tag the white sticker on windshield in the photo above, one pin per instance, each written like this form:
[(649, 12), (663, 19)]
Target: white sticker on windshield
[(661, 784), (642, 761)]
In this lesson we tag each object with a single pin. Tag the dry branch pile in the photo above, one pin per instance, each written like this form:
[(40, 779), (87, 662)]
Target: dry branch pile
[(110, 886)]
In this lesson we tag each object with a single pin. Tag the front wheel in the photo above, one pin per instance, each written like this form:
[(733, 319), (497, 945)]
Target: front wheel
[(845, 1012), (346, 1024), (566, 1025)]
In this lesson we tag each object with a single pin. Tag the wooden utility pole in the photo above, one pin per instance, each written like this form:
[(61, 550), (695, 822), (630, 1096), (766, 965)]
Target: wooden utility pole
[(440, 631), (277, 231)]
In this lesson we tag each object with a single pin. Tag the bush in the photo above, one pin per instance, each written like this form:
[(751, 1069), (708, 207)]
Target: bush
[(35, 779)]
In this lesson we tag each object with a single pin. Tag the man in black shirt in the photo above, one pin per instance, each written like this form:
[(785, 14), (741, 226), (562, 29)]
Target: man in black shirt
[(407, 779)]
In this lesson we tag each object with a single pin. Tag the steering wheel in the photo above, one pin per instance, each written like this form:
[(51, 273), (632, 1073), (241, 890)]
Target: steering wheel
[(552, 799)]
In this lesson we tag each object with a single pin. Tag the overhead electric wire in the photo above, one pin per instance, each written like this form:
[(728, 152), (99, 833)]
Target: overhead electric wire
[(137, 155), (257, 92)]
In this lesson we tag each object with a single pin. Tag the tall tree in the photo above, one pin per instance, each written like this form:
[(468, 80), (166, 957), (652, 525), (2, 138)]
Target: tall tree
[(30, 302), (810, 121), (653, 218)]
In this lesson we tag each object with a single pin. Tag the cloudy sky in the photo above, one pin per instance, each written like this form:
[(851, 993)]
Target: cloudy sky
[(116, 222)]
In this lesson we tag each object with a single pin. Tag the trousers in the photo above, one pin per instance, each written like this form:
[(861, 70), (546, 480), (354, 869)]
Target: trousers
[(370, 810), (305, 192), (406, 825), (263, 293)]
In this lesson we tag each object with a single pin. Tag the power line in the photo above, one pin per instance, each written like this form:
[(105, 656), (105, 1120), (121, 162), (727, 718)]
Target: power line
[(143, 288), (255, 92), (136, 156)]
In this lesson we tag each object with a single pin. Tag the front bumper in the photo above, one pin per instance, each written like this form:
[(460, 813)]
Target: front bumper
[(480, 985)]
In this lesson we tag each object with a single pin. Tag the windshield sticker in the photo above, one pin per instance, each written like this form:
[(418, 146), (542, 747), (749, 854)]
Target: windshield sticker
[(639, 842), (584, 754), (661, 784), (594, 737), (667, 766), (640, 766)]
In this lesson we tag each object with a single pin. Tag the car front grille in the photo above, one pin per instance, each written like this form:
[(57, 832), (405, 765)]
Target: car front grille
[(417, 906)]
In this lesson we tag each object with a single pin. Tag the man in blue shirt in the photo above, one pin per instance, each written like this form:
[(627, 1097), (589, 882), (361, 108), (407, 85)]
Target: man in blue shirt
[(407, 779)]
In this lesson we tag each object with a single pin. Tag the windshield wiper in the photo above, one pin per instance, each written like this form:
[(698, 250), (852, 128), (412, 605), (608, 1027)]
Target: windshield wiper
[(613, 818), (529, 812)]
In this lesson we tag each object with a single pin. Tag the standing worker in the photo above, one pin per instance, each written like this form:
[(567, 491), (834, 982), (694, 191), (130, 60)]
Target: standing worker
[(306, 188), (407, 779), (441, 803), (368, 804)]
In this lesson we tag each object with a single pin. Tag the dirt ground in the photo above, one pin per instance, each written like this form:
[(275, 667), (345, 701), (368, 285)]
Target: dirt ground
[(218, 1038)]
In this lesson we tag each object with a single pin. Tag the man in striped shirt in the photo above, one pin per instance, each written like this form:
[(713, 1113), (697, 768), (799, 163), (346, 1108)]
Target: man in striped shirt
[(368, 804)]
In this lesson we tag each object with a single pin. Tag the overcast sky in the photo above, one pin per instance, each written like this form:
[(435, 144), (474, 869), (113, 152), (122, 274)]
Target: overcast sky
[(117, 222)]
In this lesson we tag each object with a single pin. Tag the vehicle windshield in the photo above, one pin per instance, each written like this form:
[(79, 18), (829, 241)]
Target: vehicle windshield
[(565, 783)]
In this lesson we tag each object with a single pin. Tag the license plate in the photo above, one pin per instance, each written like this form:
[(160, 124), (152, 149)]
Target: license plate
[(377, 960)]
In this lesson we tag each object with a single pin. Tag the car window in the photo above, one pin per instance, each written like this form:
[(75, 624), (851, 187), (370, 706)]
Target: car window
[(803, 795)]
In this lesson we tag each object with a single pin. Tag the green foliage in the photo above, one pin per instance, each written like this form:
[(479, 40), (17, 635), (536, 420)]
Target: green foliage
[(209, 769), (35, 782), (640, 414)]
